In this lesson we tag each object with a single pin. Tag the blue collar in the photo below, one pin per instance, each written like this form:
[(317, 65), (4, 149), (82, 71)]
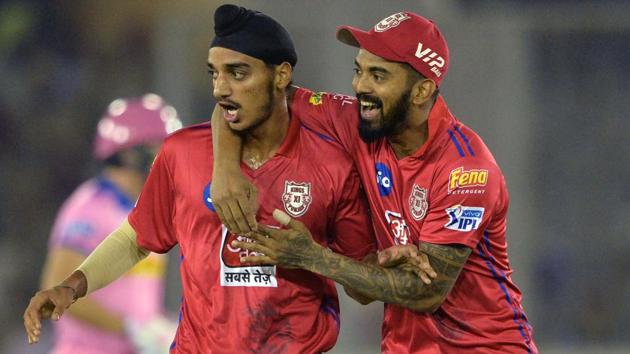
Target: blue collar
[(122, 198)]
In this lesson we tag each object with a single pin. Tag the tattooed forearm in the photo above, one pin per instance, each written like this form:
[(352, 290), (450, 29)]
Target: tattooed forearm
[(393, 285)]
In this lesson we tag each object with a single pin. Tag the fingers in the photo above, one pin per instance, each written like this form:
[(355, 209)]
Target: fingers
[(266, 260), (281, 217), (237, 209), (395, 255), (269, 232), (387, 259), (411, 268), (58, 311), (238, 219), (32, 319), (425, 265), (284, 219), (251, 246), (226, 217)]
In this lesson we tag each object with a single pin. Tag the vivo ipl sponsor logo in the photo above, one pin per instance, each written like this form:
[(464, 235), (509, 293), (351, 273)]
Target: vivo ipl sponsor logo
[(464, 218), (383, 179), (391, 22), (460, 178), (207, 199)]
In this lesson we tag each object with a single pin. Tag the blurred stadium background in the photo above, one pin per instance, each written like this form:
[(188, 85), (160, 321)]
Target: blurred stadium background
[(546, 83)]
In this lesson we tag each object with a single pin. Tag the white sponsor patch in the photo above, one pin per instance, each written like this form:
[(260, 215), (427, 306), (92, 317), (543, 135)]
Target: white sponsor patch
[(463, 218), (235, 273)]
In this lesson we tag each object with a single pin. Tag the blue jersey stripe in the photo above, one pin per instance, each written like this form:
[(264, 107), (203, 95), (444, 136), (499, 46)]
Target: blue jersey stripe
[(323, 136), (465, 141), (501, 279), (454, 140)]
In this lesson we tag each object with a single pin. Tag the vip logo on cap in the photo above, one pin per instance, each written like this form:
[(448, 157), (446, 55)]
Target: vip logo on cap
[(391, 22), (428, 55)]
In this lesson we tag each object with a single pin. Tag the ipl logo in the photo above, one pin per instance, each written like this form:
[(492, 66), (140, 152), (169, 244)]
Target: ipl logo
[(464, 218), (296, 197)]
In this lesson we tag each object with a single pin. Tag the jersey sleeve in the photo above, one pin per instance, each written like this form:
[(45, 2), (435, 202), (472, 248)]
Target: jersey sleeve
[(80, 234), (152, 217), (466, 195), (334, 117), (352, 228)]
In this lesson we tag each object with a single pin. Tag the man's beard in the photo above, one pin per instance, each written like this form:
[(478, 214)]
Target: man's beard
[(265, 112), (391, 123)]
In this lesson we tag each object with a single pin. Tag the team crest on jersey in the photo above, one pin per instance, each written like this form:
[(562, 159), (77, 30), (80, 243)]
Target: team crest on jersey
[(316, 98), (235, 273), (391, 22), (463, 218), (398, 227), (297, 197), (418, 203)]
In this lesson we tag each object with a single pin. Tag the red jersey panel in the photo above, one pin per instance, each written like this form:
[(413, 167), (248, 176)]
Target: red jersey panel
[(229, 307), (450, 191)]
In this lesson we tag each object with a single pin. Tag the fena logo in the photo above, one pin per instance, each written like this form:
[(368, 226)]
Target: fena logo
[(460, 178), (428, 55), (383, 179), (464, 218), (391, 22)]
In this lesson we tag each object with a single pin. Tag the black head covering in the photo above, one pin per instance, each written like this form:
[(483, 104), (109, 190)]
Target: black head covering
[(252, 33)]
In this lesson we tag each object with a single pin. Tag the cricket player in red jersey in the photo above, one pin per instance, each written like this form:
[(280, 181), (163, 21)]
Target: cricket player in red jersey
[(229, 306), (430, 181)]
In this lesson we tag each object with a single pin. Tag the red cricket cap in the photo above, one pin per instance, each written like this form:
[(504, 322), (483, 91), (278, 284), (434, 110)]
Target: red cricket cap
[(404, 37)]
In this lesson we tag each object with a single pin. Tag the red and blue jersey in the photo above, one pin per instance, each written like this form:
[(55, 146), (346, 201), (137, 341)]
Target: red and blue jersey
[(229, 307), (450, 191)]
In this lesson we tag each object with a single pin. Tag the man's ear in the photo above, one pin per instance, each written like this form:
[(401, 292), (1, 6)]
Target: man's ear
[(284, 75), (422, 91)]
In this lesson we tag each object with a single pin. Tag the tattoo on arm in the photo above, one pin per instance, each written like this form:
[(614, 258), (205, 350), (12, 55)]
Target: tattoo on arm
[(393, 285)]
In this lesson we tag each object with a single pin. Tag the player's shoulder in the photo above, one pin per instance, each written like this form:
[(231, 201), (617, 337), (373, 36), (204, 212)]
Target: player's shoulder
[(324, 152), (304, 97), (187, 136), (85, 194), (465, 157), (83, 203)]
